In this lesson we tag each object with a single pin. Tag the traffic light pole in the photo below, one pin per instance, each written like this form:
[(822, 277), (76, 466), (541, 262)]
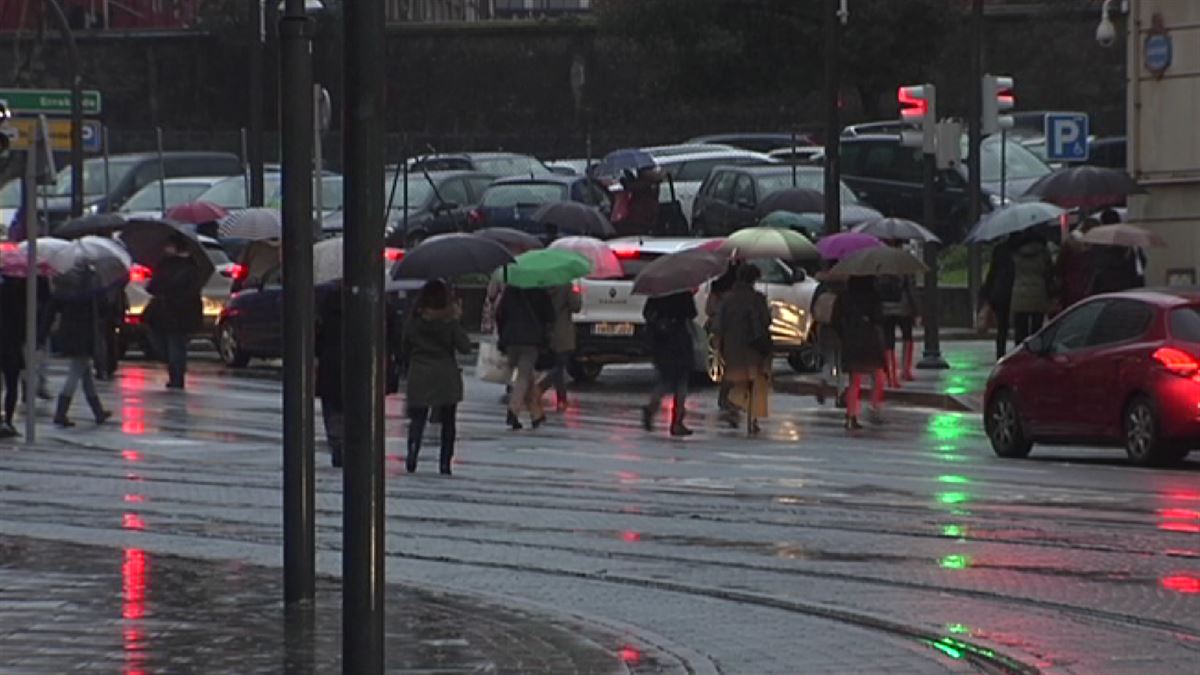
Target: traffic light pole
[(974, 140), (299, 544), (254, 154), (833, 122), (932, 358)]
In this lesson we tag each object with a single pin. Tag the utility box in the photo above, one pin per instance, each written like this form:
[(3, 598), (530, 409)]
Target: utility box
[(949, 144)]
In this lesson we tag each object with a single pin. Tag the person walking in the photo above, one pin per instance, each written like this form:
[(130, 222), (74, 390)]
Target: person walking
[(176, 310), (720, 287), (1032, 287), (899, 308), (996, 292), (743, 329), (111, 308), (524, 317), (566, 302), (432, 337), (12, 347), (824, 298), (328, 349), (77, 326), (667, 321), (858, 316)]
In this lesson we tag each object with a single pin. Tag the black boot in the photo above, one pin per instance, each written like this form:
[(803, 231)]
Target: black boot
[(513, 422), (98, 412), (677, 427), (648, 418), (60, 412), (414, 449)]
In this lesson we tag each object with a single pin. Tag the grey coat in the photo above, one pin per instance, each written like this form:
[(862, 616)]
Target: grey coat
[(1032, 268), (431, 339), (743, 325), (566, 302)]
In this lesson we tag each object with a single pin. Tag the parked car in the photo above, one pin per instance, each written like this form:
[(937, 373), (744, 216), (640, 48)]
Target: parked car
[(661, 151), (231, 194), (438, 202), (214, 295), (511, 202), (610, 328), (10, 202), (148, 202), (758, 142), (688, 171), (496, 164), (1117, 369), (890, 178), (728, 199), (107, 188)]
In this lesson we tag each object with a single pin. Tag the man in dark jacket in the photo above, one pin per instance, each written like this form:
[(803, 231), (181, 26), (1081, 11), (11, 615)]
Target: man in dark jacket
[(329, 367), (524, 317), (667, 322), (996, 292), (176, 310), (74, 308), (12, 346)]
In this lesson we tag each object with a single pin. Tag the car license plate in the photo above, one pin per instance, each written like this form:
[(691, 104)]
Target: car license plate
[(613, 329)]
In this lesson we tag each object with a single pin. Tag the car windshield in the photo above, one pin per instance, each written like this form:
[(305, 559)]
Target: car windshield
[(1185, 324), (1022, 164), (331, 192), (231, 192), (500, 196), (94, 180), (10, 194), (811, 180), (419, 192), (514, 165), (150, 198)]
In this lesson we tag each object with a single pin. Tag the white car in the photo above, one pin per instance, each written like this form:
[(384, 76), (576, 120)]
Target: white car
[(688, 170), (157, 197), (610, 328)]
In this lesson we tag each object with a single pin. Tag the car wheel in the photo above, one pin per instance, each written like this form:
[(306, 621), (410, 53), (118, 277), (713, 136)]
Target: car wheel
[(228, 349), (584, 371), (1142, 441), (1004, 428), (805, 360)]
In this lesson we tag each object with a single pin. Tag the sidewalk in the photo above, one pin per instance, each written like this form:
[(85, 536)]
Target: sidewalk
[(73, 607), (957, 388)]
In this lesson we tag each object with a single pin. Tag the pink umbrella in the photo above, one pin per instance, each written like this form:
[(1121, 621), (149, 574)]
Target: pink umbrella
[(194, 213), (605, 264), (838, 246)]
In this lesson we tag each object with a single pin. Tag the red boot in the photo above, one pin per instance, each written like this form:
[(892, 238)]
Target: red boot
[(889, 369), (909, 348)]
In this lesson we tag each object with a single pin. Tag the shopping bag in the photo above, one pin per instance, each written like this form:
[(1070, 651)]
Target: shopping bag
[(492, 365)]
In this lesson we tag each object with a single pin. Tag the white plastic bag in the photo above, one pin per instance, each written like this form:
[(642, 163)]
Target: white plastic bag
[(492, 365)]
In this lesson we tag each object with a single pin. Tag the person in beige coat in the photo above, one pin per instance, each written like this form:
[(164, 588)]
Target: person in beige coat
[(743, 330), (566, 303)]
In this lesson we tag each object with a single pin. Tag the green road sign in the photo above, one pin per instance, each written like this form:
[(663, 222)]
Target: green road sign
[(48, 101)]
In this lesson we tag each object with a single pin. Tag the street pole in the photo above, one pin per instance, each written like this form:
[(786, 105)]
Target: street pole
[(255, 99), (974, 140), (363, 337), (318, 165), (296, 124), (29, 196), (932, 358), (107, 169), (77, 186), (833, 123), (162, 172)]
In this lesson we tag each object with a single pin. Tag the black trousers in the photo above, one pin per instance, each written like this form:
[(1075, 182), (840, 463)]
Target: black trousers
[(1002, 322), (417, 417), (11, 379), (890, 324), (1026, 324)]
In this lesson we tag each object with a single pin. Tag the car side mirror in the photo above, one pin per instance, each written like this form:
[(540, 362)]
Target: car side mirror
[(799, 276)]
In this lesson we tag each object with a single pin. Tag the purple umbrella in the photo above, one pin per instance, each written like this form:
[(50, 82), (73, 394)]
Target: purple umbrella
[(838, 246)]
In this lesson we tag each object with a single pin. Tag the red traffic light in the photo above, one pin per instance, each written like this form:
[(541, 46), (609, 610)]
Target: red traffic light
[(913, 104)]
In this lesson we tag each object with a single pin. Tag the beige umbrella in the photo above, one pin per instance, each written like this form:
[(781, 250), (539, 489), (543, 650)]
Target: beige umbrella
[(1124, 234)]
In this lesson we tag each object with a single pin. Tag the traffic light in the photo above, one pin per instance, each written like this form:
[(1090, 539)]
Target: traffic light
[(998, 98), (918, 106)]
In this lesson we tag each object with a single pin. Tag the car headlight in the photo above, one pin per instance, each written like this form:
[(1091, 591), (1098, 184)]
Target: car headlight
[(92, 210), (996, 202)]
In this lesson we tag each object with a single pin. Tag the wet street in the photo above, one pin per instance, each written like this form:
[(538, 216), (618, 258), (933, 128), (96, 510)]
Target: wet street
[(902, 548)]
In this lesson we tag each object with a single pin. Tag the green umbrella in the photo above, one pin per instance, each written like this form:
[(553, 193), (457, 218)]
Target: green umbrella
[(770, 242), (810, 224), (546, 268)]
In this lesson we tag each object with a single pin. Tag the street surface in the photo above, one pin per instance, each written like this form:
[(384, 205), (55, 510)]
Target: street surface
[(906, 548)]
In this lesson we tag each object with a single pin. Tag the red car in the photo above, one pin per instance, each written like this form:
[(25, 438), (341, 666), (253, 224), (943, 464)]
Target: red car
[(1117, 369)]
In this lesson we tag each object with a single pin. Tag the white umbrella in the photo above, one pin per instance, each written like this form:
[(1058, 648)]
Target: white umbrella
[(257, 223), (14, 258), (327, 260), (605, 264), (109, 259)]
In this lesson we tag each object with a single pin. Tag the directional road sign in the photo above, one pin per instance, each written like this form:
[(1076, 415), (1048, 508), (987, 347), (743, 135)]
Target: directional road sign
[(21, 130), (48, 101), (1066, 137)]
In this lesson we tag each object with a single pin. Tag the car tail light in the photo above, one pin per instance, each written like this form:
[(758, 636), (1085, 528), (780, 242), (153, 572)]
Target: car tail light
[(1177, 361), (238, 272), (627, 253), (577, 288), (393, 255), (7, 247), (139, 273), (133, 319), (475, 218)]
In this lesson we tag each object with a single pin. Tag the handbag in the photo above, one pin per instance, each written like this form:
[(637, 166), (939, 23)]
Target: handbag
[(492, 365)]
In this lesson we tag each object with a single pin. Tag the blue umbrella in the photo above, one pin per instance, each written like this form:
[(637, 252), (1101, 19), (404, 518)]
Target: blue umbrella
[(629, 159)]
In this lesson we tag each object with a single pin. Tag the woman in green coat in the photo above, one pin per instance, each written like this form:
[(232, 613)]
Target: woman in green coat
[(431, 339)]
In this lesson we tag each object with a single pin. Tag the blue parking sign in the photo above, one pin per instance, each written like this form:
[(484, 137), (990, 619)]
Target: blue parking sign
[(1066, 137)]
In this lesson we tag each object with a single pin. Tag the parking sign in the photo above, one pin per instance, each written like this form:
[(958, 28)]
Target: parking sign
[(1066, 137)]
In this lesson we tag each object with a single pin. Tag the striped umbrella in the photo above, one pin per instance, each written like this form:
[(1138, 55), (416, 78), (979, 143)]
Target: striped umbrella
[(253, 224)]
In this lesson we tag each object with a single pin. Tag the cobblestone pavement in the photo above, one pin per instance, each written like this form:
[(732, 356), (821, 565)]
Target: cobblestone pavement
[(903, 548)]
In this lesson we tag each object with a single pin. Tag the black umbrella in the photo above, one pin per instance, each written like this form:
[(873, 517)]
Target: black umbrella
[(796, 200), (516, 241), (451, 255), (574, 218), (99, 224), (147, 241), (1085, 187)]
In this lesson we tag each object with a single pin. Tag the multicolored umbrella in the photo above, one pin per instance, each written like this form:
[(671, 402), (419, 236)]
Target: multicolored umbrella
[(770, 242), (840, 245), (546, 268), (896, 229), (605, 264), (14, 258)]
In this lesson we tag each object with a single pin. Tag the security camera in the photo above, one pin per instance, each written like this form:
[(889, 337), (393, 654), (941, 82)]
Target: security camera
[(1106, 32)]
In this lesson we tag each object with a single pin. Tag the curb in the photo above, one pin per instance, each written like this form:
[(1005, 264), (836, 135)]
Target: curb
[(911, 397)]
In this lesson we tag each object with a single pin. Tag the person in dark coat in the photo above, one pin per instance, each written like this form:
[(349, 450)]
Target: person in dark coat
[(824, 299), (176, 310), (1034, 286), (1114, 268), (329, 367), (743, 330), (432, 337), (668, 320), (1074, 266), (858, 315), (566, 302), (12, 347), (900, 311), (525, 318), (996, 291), (111, 308), (76, 315), (719, 288)]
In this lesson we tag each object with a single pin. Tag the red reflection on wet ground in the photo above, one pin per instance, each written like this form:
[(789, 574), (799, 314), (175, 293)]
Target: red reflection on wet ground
[(133, 420), (1184, 495), (133, 588), (132, 380), (132, 521), (1182, 583), (630, 655), (628, 477), (631, 536), (1179, 514), (1189, 528), (131, 455), (135, 499)]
